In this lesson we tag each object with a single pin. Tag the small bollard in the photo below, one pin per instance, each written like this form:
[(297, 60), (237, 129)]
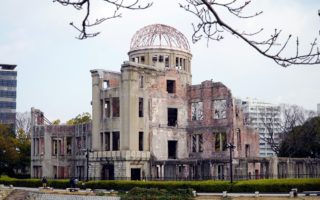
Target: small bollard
[(224, 194), (11, 186), (256, 194), (194, 193)]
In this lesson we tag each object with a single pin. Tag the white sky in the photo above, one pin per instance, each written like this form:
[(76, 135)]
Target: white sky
[(53, 67)]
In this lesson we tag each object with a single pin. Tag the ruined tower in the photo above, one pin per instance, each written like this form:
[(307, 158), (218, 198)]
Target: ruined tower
[(140, 114)]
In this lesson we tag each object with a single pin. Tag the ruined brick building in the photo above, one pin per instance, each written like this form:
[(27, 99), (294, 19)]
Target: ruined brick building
[(149, 121)]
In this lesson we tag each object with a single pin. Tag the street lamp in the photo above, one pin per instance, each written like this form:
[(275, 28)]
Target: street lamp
[(230, 146), (87, 158)]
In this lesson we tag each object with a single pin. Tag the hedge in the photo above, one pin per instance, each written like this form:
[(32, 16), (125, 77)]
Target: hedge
[(261, 185), (277, 185)]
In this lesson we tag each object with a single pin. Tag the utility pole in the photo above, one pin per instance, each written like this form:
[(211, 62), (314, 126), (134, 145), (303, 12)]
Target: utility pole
[(230, 146)]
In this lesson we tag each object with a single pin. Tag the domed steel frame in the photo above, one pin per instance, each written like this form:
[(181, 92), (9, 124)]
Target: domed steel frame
[(159, 36)]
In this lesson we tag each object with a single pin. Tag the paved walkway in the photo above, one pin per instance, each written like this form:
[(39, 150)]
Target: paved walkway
[(35, 196)]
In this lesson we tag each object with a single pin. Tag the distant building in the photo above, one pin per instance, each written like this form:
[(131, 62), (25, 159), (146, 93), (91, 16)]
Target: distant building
[(265, 118), (8, 94), (318, 109)]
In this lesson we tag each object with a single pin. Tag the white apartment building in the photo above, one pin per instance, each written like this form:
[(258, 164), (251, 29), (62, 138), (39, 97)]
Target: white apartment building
[(265, 118)]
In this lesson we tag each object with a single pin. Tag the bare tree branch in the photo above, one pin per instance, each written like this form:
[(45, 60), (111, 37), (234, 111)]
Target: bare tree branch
[(212, 27), (23, 122), (118, 5), (280, 121)]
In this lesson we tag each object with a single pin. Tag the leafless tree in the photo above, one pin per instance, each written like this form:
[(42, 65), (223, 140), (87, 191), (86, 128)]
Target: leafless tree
[(86, 4), (23, 122), (279, 121), (212, 26)]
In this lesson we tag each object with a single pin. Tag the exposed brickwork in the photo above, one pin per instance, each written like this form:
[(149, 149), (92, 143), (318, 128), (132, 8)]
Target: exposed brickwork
[(207, 92)]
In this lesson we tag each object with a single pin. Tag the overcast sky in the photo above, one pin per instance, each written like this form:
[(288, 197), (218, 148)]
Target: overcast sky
[(54, 67)]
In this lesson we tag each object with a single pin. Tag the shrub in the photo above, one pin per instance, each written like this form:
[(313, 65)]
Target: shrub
[(261, 185), (155, 194), (276, 185)]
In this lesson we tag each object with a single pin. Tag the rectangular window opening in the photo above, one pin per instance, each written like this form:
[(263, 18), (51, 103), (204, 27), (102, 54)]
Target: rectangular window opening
[(172, 116), (247, 150), (160, 58), (107, 141), (154, 58), (140, 107), (115, 141), (69, 146), (166, 61), (171, 86), (107, 108), (115, 107), (194, 143), (106, 84), (172, 149), (140, 141), (220, 142), (142, 59)]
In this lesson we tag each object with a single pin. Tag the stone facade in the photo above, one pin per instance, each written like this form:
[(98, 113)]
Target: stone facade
[(171, 128), (58, 151), (150, 122)]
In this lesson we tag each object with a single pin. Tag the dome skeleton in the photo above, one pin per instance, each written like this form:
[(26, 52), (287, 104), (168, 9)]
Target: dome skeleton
[(159, 35)]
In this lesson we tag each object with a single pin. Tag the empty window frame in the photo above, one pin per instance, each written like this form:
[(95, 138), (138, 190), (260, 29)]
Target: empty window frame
[(220, 142), (172, 116), (54, 147), (247, 150), (171, 86), (115, 107), (142, 59), (106, 84), (219, 109), (166, 61), (177, 62), (161, 58), (107, 141), (172, 149), (154, 58), (196, 111), (107, 108), (116, 141), (69, 145), (140, 107), (197, 143), (140, 141)]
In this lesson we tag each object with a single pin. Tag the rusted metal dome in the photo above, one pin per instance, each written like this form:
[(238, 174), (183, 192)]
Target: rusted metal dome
[(159, 36)]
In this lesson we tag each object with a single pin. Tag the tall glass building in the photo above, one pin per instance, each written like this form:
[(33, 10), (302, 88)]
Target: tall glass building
[(8, 94)]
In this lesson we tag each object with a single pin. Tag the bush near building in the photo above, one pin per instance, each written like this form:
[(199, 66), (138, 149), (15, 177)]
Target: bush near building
[(261, 185)]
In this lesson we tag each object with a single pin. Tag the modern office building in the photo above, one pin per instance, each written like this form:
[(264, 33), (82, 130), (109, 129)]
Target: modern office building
[(8, 94), (265, 118)]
